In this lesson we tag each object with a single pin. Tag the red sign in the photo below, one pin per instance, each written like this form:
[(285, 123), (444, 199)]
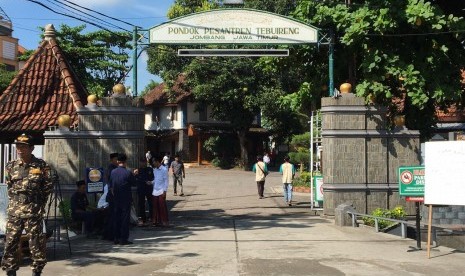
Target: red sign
[(415, 198)]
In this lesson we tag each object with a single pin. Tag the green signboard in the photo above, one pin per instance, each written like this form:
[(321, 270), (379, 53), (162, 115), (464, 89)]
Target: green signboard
[(318, 188), (412, 181)]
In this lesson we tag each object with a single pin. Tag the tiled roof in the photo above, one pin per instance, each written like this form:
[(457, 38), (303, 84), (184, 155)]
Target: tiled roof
[(158, 95), (43, 90)]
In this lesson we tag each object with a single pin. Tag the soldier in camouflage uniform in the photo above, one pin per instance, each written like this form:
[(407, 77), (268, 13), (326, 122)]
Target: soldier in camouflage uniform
[(30, 182)]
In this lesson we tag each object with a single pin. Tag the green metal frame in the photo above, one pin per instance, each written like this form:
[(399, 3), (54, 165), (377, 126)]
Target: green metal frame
[(325, 40)]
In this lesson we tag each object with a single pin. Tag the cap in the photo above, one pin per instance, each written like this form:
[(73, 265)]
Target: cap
[(25, 140)]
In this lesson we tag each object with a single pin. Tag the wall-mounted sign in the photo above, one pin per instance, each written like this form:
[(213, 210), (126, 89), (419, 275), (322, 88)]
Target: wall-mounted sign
[(94, 180), (412, 181), (233, 26)]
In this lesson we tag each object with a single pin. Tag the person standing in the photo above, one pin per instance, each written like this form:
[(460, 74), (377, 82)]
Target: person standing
[(144, 179), (288, 171), (148, 156), (109, 211), (160, 186), (177, 168), (261, 171), (121, 181), (29, 182)]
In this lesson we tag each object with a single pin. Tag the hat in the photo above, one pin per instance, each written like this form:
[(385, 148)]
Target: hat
[(122, 157), (25, 140)]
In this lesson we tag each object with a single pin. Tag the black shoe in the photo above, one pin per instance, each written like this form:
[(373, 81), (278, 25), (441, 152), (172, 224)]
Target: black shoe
[(35, 273), (116, 242), (126, 242), (11, 273)]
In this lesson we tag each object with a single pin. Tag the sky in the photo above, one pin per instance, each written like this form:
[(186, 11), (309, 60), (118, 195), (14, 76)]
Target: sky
[(27, 16)]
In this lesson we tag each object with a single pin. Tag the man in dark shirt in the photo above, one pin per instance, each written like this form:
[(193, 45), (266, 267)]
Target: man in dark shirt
[(144, 178), (177, 167), (79, 208), (108, 221), (121, 181)]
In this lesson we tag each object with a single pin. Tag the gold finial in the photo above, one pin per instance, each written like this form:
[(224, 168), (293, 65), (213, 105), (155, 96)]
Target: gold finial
[(119, 89), (345, 87), (64, 121), (92, 99)]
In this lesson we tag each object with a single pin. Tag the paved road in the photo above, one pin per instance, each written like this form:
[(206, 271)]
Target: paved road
[(221, 228)]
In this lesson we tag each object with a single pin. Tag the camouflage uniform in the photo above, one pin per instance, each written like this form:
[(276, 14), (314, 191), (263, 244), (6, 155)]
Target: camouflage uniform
[(29, 186)]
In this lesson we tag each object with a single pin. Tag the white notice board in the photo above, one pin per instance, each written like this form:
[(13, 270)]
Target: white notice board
[(445, 173)]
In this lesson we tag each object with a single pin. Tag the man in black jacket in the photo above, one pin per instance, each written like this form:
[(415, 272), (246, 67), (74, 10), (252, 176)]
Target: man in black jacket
[(144, 178), (121, 180)]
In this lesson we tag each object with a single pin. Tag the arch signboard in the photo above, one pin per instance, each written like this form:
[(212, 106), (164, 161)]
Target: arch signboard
[(233, 26)]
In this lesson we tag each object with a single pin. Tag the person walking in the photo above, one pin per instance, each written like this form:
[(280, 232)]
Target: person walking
[(121, 180), (261, 171), (160, 186), (29, 182), (177, 168), (288, 171), (144, 179)]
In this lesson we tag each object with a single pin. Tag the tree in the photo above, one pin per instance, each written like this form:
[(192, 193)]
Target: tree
[(237, 89), (5, 77), (300, 149), (98, 58), (151, 85), (408, 51)]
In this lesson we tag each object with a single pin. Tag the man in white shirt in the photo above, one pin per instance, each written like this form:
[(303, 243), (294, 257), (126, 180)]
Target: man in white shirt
[(160, 186), (166, 160)]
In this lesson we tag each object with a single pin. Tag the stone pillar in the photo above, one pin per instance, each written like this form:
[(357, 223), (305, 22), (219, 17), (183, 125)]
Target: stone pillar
[(116, 126), (361, 157), (183, 144)]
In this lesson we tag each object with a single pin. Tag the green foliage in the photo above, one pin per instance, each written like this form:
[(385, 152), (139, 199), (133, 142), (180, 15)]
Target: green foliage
[(221, 163), (299, 157), (397, 49), (303, 180), (98, 58), (300, 149), (5, 77), (65, 210), (151, 85), (396, 213), (222, 148)]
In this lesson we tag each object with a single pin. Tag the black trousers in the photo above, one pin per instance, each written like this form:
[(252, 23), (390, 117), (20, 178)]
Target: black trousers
[(261, 187), (142, 196), (121, 222)]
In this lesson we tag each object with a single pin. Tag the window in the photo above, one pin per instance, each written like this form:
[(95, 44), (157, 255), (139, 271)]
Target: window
[(174, 113), (203, 114), (156, 115)]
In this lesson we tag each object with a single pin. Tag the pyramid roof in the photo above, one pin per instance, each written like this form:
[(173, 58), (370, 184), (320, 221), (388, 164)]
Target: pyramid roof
[(44, 89)]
